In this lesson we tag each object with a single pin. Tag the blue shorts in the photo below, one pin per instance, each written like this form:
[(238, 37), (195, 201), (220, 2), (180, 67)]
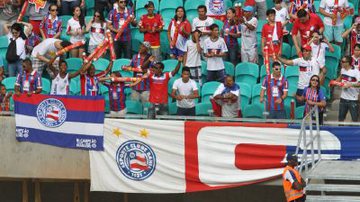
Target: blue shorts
[(333, 33), (177, 52)]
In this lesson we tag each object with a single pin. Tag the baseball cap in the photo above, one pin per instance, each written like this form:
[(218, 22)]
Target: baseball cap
[(248, 9), (306, 47), (291, 157), (146, 44), (357, 20), (149, 3)]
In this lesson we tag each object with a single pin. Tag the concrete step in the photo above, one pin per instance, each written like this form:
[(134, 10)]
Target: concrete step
[(336, 170), (333, 187), (319, 198)]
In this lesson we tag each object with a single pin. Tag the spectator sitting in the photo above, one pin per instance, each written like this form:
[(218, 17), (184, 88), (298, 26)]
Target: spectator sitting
[(184, 90), (354, 32), (350, 76), (249, 24), (306, 24), (178, 32), (192, 57), (89, 81), (319, 45), (14, 56), (226, 99), (116, 19), (4, 98), (272, 35), (44, 51), (308, 66), (28, 81), (314, 96), (159, 87), (37, 15), (276, 87), (97, 28), (50, 26), (334, 25), (151, 24), (202, 23), (140, 91), (215, 49), (32, 38), (76, 29), (60, 78), (231, 32), (356, 57)]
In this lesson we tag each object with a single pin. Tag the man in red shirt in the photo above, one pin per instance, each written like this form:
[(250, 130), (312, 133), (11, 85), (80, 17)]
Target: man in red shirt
[(159, 87), (151, 24), (271, 35), (306, 24)]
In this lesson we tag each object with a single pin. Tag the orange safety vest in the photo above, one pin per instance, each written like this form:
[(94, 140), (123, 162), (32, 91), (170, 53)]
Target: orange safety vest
[(290, 193)]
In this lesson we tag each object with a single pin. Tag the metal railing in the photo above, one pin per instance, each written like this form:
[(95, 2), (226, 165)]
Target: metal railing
[(307, 139)]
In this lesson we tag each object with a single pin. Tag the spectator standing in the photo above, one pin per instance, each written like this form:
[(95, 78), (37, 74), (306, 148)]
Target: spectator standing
[(276, 87), (151, 24), (308, 66), (76, 30), (32, 39), (216, 9), (350, 76), (184, 90), (89, 81), (192, 57), (261, 9), (116, 20), (9, 12), (281, 13), (271, 35), (249, 24), (202, 23), (97, 28), (44, 51), (36, 15), (313, 95), (231, 33), (227, 95), (159, 87), (296, 5), (354, 32), (28, 81), (305, 24), (179, 31), (16, 50), (50, 26), (356, 57), (293, 183), (334, 25), (4, 98)]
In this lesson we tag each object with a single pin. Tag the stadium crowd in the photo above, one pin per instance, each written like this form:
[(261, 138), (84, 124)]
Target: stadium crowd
[(186, 57)]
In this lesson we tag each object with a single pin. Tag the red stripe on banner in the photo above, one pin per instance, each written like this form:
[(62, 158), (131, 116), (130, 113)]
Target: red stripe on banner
[(91, 104), (257, 156), (52, 117), (138, 166), (192, 129)]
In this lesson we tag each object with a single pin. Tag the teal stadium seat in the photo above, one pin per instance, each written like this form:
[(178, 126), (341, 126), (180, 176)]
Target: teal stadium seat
[(192, 5), (75, 86), (247, 72), (203, 71), (336, 54), (219, 23), (46, 85), (254, 110), (89, 4), (9, 83), (286, 50), (255, 94), (260, 25), (208, 90), (332, 65), (169, 65), (299, 112), (203, 109), (165, 45), (229, 68), (167, 8), (137, 38), (4, 42), (173, 108), (128, 92), (101, 64), (73, 64), (245, 94), (133, 107), (119, 63), (292, 75)]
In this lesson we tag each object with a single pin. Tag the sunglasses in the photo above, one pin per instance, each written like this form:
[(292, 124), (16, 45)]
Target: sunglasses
[(344, 61), (97, 16), (277, 69), (121, 2), (14, 33), (53, 10), (317, 80)]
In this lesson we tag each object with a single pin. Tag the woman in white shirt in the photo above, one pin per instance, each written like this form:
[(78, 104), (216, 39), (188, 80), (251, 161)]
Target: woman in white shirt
[(76, 29), (97, 28)]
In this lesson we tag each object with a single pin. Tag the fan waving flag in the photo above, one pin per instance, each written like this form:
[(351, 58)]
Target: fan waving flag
[(64, 121)]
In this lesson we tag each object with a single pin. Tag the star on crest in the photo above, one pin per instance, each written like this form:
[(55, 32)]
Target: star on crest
[(116, 132), (144, 133)]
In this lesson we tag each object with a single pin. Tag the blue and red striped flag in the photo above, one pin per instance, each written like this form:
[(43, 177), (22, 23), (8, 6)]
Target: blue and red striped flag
[(64, 121)]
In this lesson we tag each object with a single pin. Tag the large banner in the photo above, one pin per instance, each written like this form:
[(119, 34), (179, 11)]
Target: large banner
[(64, 121), (153, 156)]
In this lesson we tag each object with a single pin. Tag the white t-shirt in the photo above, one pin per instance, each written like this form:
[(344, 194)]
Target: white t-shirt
[(282, 15), (248, 37), (228, 109), (185, 89), (307, 69), (20, 46), (318, 51), (203, 26), (97, 33), (45, 48), (219, 46), (73, 26), (353, 76), (193, 58), (215, 7), (328, 6), (60, 86)]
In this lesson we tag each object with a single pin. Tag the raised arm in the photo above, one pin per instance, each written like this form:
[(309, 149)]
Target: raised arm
[(285, 61), (175, 71)]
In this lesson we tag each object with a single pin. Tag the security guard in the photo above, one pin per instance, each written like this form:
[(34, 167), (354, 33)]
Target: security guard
[(293, 183)]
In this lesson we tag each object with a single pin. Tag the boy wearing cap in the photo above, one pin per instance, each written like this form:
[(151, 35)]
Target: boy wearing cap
[(248, 35), (293, 183), (151, 24), (308, 66)]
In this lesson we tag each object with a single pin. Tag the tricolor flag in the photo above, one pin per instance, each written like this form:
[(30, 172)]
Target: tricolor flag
[(64, 121)]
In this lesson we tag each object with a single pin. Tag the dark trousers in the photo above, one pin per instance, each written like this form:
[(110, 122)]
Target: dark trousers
[(348, 105), (186, 111), (302, 199), (122, 48)]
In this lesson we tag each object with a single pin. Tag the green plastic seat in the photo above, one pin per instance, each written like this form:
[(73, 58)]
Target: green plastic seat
[(172, 108), (260, 25), (9, 83), (65, 19), (208, 90), (133, 107), (88, 19), (203, 71), (191, 14), (247, 72), (101, 64), (119, 63), (107, 102), (75, 86), (140, 4), (332, 65), (203, 109), (169, 65), (299, 112), (4, 42), (293, 53), (103, 89), (245, 93), (336, 54), (46, 85), (167, 8), (192, 5), (286, 50), (229, 68), (254, 110), (219, 23), (73, 64), (136, 39), (255, 94)]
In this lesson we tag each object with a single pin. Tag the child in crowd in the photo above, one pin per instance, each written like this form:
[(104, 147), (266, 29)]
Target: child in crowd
[(4, 98), (192, 57)]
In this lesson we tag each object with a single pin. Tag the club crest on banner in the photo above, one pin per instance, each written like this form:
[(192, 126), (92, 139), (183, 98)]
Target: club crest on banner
[(39, 4), (51, 113), (216, 7), (136, 160)]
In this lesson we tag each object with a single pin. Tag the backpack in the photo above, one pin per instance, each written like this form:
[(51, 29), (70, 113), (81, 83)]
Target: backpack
[(11, 55)]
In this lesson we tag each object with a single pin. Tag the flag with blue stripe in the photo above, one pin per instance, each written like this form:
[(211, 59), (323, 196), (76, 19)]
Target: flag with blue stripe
[(64, 121)]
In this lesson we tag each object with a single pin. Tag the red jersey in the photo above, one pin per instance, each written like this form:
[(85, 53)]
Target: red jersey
[(306, 29), (159, 88), (151, 23), (272, 42)]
